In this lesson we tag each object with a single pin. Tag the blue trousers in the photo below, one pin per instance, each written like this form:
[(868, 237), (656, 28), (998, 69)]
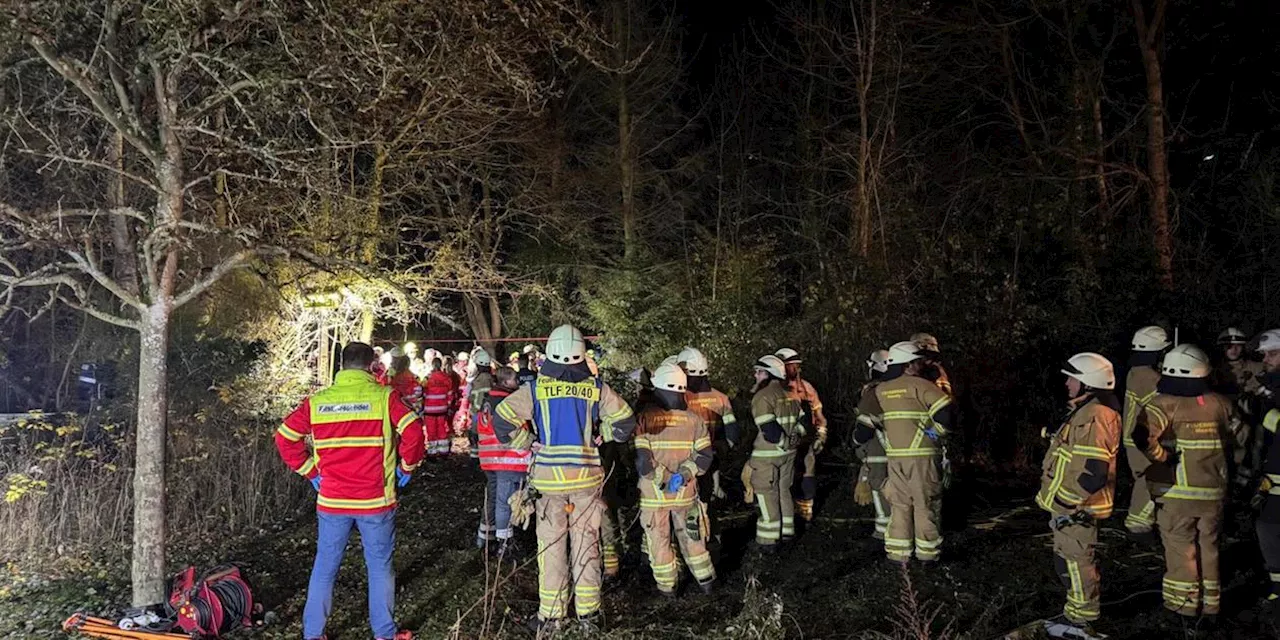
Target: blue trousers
[(378, 536), (495, 518)]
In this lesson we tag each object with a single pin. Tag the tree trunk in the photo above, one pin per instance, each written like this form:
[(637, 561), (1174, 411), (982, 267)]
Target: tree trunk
[(626, 156), (149, 466), (125, 265), (485, 318), (1100, 154), (866, 43), (1149, 40)]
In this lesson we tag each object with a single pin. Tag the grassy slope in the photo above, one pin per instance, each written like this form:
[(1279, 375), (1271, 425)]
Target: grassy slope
[(832, 582)]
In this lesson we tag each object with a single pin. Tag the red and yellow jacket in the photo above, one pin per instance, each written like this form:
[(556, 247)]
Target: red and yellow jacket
[(495, 456), (440, 391), (354, 430)]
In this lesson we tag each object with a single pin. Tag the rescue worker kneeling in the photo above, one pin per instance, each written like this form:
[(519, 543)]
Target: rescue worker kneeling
[(673, 448), (572, 412), (1077, 486), (1192, 431), (773, 456), (917, 415)]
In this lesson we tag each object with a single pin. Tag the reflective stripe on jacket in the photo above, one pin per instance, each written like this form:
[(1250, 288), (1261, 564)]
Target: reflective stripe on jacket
[(1200, 430), (1092, 432), (773, 404), (438, 393), (354, 430), (674, 441), (1139, 389), (495, 456), (713, 407), (909, 404)]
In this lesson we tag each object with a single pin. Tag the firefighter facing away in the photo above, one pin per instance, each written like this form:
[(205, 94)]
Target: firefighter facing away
[(505, 469), (1149, 345), (815, 423), (716, 411), (916, 415), (1077, 485), (358, 429), (1192, 431), (1268, 525), (773, 456), (874, 472), (571, 413), (673, 448)]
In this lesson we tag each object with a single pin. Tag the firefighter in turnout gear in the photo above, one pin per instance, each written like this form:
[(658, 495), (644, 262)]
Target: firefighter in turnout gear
[(673, 448), (875, 463), (916, 415), (477, 391), (815, 423), (1237, 373), (357, 430), (1077, 486), (1149, 345), (932, 355), (1268, 525), (773, 456), (1192, 432), (571, 413), (715, 410)]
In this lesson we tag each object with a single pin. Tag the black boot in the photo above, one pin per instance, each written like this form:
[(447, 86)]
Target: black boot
[(707, 587)]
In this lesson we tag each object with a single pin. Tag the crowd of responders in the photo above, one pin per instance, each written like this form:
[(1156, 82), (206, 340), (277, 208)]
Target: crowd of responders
[(549, 432)]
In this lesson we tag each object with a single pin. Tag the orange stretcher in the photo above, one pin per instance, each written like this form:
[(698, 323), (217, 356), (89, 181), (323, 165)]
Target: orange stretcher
[(87, 625)]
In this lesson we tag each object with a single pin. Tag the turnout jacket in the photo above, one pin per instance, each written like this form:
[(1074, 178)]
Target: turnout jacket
[(910, 405), (1201, 430), (715, 410), (355, 430), (480, 387), (1079, 471), (804, 393), (569, 417), (1139, 389), (670, 442), (777, 415)]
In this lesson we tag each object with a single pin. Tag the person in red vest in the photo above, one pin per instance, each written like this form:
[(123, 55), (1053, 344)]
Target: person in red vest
[(357, 429), (439, 395), (505, 471), (404, 381)]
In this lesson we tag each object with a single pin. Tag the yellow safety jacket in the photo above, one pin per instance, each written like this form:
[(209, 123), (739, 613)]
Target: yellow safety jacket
[(909, 405), (770, 404), (674, 441), (1139, 389), (1091, 432), (1200, 430)]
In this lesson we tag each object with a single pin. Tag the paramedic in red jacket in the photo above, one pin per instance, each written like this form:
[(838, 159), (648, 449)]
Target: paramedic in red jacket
[(346, 440), (438, 396)]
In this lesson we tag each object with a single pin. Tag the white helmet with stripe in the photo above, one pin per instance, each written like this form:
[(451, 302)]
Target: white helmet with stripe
[(902, 353), (1092, 369), (773, 365), (669, 377), (694, 361), (565, 345), (878, 360), (1151, 338), (1186, 361)]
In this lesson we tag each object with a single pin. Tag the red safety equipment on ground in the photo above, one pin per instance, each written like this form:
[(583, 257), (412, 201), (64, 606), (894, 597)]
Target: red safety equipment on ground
[(217, 602), (353, 426), (495, 456)]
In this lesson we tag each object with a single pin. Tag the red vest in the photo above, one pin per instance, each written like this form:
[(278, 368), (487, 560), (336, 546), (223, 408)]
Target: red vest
[(495, 456)]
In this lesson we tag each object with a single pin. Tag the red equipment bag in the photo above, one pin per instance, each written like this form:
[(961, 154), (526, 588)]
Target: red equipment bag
[(217, 602)]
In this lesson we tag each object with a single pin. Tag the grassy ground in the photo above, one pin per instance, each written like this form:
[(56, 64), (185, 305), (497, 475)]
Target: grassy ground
[(831, 583)]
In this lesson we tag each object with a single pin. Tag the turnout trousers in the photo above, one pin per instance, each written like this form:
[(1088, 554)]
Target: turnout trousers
[(1190, 530), (875, 466), (914, 490), (663, 559), (808, 479), (1268, 528), (569, 553), (1142, 511), (1074, 562), (771, 479), (437, 431), (613, 458)]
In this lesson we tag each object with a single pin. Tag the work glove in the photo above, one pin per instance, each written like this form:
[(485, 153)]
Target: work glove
[(315, 483), (402, 477), (820, 443), (1059, 523), (676, 482), (862, 492)]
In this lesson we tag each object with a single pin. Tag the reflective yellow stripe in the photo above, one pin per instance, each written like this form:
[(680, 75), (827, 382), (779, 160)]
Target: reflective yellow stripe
[(772, 453), (405, 422), (1214, 444), (702, 443), (307, 466), (335, 443), (1091, 452), (765, 418), (371, 503), (668, 445), (1272, 420), (289, 434), (917, 452)]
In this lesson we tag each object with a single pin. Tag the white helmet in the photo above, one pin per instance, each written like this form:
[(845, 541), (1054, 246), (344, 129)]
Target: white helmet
[(669, 360), (773, 365), (1092, 369), (1269, 341), (1232, 335), (463, 356), (694, 362), (1151, 338), (1186, 361), (926, 342), (410, 349), (528, 348), (565, 345), (788, 356), (429, 355), (481, 358), (903, 352), (878, 360), (669, 377)]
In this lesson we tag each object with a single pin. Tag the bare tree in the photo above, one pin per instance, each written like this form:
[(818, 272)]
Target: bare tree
[(1150, 43)]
